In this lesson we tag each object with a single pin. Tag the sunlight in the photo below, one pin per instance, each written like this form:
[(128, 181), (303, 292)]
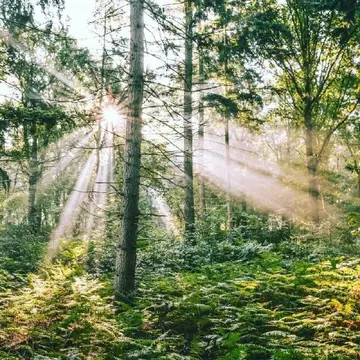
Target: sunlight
[(169, 190), (72, 207), (43, 59), (164, 211), (110, 114), (251, 174), (98, 195)]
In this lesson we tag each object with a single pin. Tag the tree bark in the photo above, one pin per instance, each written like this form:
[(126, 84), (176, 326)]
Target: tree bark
[(189, 212), (102, 92), (201, 133), (228, 174), (33, 179), (227, 144), (312, 164), (126, 247), (57, 203), (287, 158)]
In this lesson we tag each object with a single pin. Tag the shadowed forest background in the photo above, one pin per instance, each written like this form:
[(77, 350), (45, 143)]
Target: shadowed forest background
[(181, 183)]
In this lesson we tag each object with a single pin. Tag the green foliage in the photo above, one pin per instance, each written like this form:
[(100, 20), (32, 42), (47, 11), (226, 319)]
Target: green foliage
[(47, 123), (176, 255), (223, 105), (225, 298), (230, 298), (60, 305), (352, 168), (21, 249)]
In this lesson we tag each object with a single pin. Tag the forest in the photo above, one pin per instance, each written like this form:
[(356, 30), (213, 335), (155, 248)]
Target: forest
[(180, 179)]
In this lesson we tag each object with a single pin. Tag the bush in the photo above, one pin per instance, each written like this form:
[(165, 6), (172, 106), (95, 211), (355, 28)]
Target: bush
[(174, 254), (21, 249)]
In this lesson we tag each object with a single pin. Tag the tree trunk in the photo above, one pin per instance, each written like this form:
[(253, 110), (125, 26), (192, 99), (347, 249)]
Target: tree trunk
[(102, 93), (287, 157), (98, 145), (57, 203), (312, 163), (15, 179), (33, 179), (189, 212), (227, 145), (201, 136), (228, 174), (64, 198), (126, 247)]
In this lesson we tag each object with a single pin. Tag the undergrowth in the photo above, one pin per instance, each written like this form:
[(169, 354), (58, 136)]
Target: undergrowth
[(235, 295)]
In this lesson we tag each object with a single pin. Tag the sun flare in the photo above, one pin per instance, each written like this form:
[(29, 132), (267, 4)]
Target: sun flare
[(110, 114)]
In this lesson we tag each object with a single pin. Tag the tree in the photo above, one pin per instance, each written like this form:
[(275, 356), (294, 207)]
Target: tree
[(225, 66), (201, 132), (189, 211), (351, 136), (126, 247), (32, 130), (35, 121), (310, 44)]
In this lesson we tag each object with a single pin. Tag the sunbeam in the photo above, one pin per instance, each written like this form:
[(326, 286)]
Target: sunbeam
[(72, 208), (164, 211), (99, 194), (40, 58), (179, 180)]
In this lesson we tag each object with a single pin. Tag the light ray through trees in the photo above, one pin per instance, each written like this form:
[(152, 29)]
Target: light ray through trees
[(104, 178), (164, 211), (71, 152), (267, 185), (72, 207), (96, 192), (44, 62)]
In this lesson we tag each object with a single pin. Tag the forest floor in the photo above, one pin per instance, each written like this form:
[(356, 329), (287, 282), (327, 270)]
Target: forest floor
[(259, 292), (237, 299)]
